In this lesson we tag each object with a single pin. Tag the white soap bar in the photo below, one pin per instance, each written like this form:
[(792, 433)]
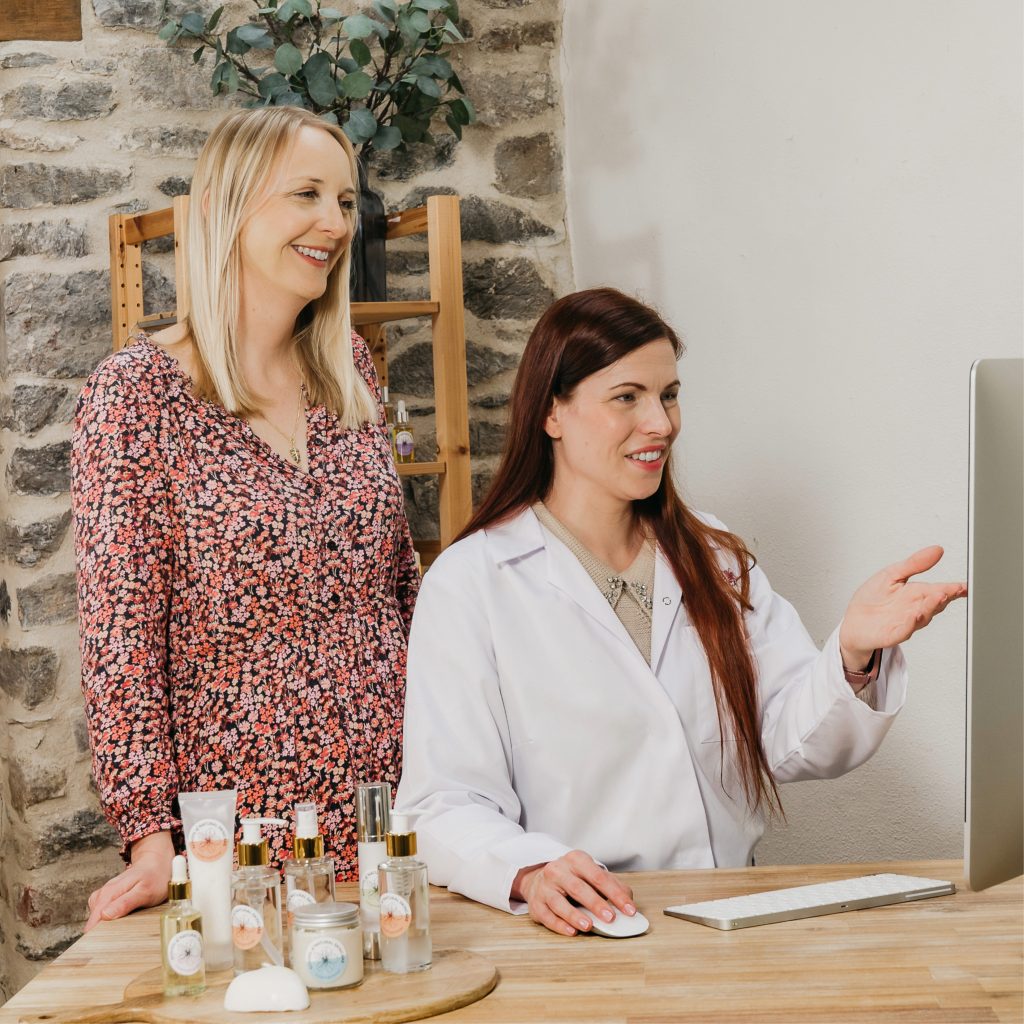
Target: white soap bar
[(266, 989)]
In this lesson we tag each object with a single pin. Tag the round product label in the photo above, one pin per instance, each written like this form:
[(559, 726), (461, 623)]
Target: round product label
[(395, 915), (404, 443), (369, 887), (326, 959), (246, 926), (208, 840), (185, 953), (299, 898)]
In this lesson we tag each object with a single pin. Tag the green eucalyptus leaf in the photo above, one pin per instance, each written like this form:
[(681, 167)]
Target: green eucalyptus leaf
[(453, 123), (361, 126), (289, 99), (452, 32), (409, 32), (360, 52), (420, 21), (235, 44), (347, 65), (255, 35), (357, 26), (329, 116), (387, 138), (273, 85), (169, 30), (224, 78), (456, 83), (330, 14), (460, 111), (319, 81), (387, 9), (430, 5), (193, 24), (211, 22), (356, 86), (412, 128), (197, 55), (290, 8), (428, 87), (288, 59)]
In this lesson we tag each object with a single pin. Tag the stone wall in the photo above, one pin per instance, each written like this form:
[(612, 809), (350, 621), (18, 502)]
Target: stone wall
[(113, 123)]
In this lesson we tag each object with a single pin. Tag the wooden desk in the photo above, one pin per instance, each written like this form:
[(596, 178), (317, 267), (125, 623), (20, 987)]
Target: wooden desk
[(956, 959)]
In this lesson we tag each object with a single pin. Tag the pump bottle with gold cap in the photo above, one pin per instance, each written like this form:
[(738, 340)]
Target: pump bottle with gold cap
[(308, 875), (404, 902), (181, 937), (256, 901)]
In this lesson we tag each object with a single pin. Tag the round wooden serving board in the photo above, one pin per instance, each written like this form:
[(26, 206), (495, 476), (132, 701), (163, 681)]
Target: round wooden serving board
[(455, 979)]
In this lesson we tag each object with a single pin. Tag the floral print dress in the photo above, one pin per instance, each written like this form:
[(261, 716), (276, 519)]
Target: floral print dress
[(243, 624)]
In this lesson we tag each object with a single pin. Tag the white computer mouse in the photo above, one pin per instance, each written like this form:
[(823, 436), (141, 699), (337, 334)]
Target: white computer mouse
[(623, 927)]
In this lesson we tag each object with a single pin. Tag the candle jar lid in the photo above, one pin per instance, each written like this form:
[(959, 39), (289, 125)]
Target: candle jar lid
[(326, 915)]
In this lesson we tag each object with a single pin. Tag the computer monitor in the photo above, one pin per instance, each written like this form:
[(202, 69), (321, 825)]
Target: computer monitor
[(994, 819)]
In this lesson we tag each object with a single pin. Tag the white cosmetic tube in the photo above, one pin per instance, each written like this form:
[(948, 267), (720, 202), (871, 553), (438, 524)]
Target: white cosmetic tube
[(208, 820)]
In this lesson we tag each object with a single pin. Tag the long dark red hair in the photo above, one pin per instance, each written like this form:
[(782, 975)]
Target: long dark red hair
[(577, 336)]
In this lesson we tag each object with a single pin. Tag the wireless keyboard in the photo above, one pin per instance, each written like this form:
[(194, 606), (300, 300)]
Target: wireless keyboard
[(810, 900)]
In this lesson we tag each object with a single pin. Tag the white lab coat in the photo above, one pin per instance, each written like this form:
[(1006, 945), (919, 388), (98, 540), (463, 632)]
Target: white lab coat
[(533, 725)]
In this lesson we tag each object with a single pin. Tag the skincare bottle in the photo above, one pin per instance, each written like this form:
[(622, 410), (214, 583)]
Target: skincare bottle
[(309, 875), (208, 820), (256, 901), (373, 815), (405, 443), (404, 902), (389, 415), (181, 937)]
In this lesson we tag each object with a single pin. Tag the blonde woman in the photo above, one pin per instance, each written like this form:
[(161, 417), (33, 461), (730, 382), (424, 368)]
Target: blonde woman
[(246, 576)]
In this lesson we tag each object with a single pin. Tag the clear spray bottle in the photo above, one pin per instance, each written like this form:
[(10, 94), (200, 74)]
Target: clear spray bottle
[(256, 901), (309, 874), (405, 944)]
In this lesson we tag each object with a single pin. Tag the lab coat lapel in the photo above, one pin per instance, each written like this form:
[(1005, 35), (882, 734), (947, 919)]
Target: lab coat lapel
[(567, 574), (668, 603)]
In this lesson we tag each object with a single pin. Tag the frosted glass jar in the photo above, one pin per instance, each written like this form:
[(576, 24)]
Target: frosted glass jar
[(327, 945)]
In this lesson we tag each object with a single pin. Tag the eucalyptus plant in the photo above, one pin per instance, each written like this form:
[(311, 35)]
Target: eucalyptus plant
[(381, 73)]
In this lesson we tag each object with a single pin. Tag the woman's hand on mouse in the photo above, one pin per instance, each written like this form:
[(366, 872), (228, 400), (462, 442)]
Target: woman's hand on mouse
[(142, 884), (547, 890), (889, 608)]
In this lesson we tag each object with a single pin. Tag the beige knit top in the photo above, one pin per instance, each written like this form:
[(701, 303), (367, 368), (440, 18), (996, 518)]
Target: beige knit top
[(630, 593)]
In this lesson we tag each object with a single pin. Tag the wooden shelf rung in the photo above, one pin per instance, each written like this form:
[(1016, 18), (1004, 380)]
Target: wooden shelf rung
[(384, 312), (408, 222), (144, 226), (420, 468)]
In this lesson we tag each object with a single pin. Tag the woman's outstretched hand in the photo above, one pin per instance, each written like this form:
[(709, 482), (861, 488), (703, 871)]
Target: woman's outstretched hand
[(142, 884), (889, 608), (547, 889)]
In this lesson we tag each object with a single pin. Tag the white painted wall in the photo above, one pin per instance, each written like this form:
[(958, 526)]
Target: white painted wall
[(826, 200)]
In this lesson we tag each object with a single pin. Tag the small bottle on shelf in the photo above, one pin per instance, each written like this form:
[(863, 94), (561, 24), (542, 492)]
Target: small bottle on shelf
[(389, 417), (404, 903), (181, 937), (405, 443)]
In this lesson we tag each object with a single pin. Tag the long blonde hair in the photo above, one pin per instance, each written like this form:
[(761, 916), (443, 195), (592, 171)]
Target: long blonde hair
[(231, 174)]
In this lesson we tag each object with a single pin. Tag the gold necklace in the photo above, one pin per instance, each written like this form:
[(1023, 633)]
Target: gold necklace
[(293, 448)]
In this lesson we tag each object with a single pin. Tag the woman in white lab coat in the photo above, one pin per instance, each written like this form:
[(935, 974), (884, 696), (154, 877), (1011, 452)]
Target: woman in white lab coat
[(602, 680)]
